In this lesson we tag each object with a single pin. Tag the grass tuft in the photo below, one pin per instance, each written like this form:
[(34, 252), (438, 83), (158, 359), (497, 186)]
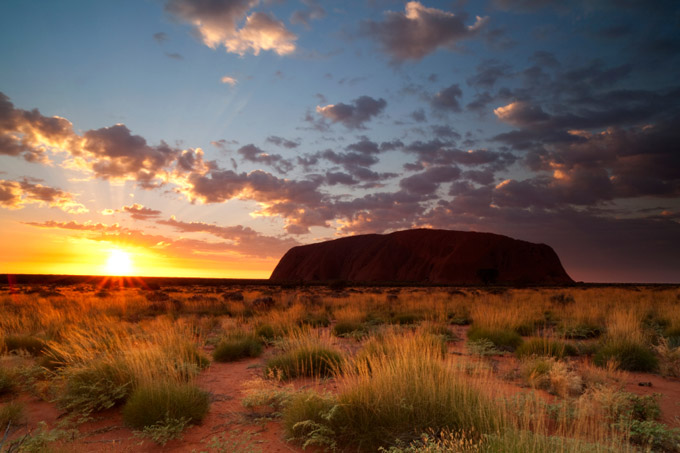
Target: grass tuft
[(503, 339), (238, 347), (151, 404)]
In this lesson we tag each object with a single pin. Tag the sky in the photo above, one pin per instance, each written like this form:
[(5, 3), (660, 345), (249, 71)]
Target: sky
[(204, 138)]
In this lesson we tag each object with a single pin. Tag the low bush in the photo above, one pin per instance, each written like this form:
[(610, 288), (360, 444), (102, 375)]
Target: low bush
[(310, 361), (7, 381), (630, 356), (94, 388), (347, 328), (28, 343), (581, 331), (238, 347), (545, 347), (151, 404), (503, 339), (406, 319), (11, 414), (267, 332), (669, 358)]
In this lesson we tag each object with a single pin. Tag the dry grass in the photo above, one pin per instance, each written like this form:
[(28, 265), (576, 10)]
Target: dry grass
[(396, 380)]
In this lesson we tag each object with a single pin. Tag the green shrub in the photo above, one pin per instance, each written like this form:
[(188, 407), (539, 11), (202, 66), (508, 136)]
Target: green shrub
[(346, 328), (311, 361), (307, 418), (28, 343), (545, 347), (504, 339), (581, 331), (238, 347), (318, 319), (151, 404), (406, 319), (267, 332), (166, 430), (7, 381), (11, 414), (94, 388), (630, 356), (653, 435)]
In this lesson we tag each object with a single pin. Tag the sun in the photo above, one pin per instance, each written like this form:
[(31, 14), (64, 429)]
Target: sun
[(119, 263)]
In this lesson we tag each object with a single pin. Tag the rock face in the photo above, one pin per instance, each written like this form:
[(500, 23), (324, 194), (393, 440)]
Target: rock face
[(424, 256)]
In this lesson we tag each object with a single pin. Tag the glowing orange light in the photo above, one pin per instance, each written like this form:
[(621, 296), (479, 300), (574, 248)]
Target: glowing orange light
[(119, 263)]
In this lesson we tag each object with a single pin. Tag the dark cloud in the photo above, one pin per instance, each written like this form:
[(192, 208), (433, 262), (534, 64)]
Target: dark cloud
[(444, 131), (448, 99), (252, 153), (419, 31), (243, 240), (280, 141), (300, 202), (140, 212), (30, 134), (313, 11), (17, 194), (174, 56), (428, 181), (488, 72), (119, 155), (418, 116), (354, 115), (160, 37)]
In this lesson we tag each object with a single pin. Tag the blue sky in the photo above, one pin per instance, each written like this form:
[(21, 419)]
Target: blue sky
[(217, 134)]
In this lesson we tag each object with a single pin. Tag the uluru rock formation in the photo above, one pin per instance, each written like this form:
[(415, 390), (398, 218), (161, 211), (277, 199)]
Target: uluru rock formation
[(424, 256)]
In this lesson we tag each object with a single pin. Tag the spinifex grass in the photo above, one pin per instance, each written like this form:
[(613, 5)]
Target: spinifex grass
[(305, 353), (395, 396)]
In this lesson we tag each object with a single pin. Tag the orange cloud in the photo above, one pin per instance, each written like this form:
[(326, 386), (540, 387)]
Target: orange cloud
[(17, 194)]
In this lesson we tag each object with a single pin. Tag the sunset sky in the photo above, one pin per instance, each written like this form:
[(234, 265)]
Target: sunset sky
[(204, 138)]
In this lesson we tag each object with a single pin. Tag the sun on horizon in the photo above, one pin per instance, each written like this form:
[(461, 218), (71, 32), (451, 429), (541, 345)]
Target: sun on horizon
[(119, 262)]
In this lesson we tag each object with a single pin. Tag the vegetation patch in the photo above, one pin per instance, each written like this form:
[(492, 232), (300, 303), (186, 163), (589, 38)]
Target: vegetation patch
[(310, 361), (238, 347), (545, 347), (503, 339), (152, 404), (629, 355), (28, 343)]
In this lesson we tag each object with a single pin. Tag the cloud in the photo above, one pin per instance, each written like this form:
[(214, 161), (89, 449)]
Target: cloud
[(448, 99), (427, 182), (418, 116), (160, 37), (243, 240), (174, 56), (314, 11), (280, 141), (17, 194), (419, 31), (120, 155), (355, 114), (217, 23), (30, 134), (299, 202), (139, 212), (488, 72), (229, 80), (252, 153)]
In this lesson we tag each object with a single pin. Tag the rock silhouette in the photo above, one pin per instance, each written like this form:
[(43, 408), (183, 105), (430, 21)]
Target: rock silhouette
[(424, 256)]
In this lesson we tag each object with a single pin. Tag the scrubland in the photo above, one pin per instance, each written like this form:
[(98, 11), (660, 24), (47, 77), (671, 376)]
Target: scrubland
[(258, 369)]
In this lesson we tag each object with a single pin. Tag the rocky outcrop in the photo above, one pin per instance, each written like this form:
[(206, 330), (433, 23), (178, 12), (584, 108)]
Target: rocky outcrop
[(424, 256)]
